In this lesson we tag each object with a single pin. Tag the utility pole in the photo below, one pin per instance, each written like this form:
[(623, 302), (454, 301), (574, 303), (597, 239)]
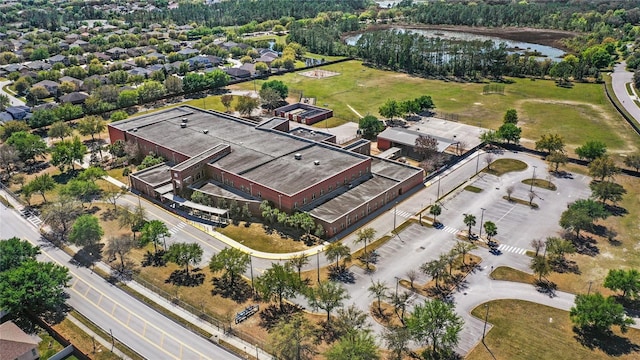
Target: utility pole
[(481, 222)]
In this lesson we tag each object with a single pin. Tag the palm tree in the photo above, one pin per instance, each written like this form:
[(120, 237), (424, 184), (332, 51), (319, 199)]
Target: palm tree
[(298, 262), (435, 210), (469, 220), (436, 269), (379, 290), (491, 229), (540, 265), (365, 235), (338, 250)]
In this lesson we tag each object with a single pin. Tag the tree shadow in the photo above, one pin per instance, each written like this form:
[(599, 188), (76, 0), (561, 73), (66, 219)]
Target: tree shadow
[(341, 274), (585, 245), (565, 266), (546, 287), (238, 290), (616, 210), (64, 177), (109, 215), (608, 342), (272, 314), (182, 278), (153, 259), (88, 255)]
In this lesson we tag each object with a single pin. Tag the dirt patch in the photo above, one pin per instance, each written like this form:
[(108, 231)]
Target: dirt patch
[(546, 37), (318, 73)]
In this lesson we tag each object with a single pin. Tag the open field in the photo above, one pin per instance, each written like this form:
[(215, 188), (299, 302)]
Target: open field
[(524, 330), (579, 113)]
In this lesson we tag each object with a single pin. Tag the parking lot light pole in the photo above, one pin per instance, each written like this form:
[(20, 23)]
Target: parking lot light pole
[(253, 288), (318, 263), (486, 316), (395, 208), (481, 222), (478, 161), (534, 178)]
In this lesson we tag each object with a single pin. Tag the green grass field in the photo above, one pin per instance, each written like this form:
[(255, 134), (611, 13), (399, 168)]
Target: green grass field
[(578, 113), (524, 330)]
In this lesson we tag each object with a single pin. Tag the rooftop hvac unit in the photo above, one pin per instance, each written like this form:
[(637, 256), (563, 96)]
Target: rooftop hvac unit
[(298, 156), (183, 125), (135, 129), (316, 162), (184, 120), (205, 131)]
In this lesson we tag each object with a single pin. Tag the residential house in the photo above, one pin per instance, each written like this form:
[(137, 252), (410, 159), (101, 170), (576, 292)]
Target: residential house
[(5, 116), (102, 57), (16, 344), (189, 52), (75, 98), (156, 55), (116, 52), (51, 86), (58, 59), (18, 112), (140, 71), (238, 73), (79, 43), (38, 65), (77, 82)]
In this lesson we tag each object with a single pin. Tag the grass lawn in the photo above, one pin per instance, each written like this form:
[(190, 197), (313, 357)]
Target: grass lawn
[(473, 189), (579, 113), (543, 184), (207, 103), (503, 166), (511, 274), (83, 341), (258, 239), (524, 330)]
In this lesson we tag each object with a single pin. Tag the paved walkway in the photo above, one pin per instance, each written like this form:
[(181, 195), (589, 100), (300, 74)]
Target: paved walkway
[(13, 101), (105, 343)]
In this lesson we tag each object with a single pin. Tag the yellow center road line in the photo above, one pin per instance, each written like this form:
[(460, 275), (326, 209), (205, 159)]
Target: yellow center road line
[(78, 279)]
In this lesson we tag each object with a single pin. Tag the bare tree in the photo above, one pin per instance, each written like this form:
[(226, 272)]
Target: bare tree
[(461, 146), (488, 159), (537, 244), (412, 275), (510, 190), (532, 195)]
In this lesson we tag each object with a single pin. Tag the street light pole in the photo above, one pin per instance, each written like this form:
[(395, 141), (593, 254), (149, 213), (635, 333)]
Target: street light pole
[(253, 288), (477, 161), (481, 221), (534, 178), (439, 177), (318, 263), (395, 207)]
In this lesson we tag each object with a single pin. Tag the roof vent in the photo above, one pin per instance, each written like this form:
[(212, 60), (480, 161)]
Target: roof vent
[(184, 120), (205, 131), (298, 156), (316, 162), (135, 129), (183, 125)]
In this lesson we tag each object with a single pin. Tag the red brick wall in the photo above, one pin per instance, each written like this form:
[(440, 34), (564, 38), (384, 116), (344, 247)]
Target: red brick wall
[(383, 144)]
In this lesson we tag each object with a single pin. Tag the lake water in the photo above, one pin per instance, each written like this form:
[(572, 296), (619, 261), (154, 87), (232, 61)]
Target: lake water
[(546, 51)]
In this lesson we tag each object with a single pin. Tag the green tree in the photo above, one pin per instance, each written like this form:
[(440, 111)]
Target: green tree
[(336, 251), (435, 323), (270, 98), (39, 53), (128, 98), (278, 282), (60, 215), (150, 90), (365, 235), (627, 281), (246, 104), (39, 92), (91, 125), (217, 79), (603, 167), (470, 221), (379, 290), (390, 109), (118, 116), (509, 132), (33, 288), (362, 346), (22, 84), (350, 321), (491, 229), (278, 86), (42, 184), (153, 231), (370, 127), (4, 102), (183, 254), (81, 190), (173, 84), (557, 248), (59, 130), (435, 210), (540, 266), (92, 174), (550, 143), (29, 146), (462, 248), (327, 295), (597, 313), (605, 190), (65, 153), (510, 117), (437, 269), (134, 219), (397, 340), (633, 161), (149, 161), (13, 252), (298, 262), (119, 246), (233, 261), (557, 158), (293, 339), (581, 214), (591, 150), (12, 126), (86, 231)]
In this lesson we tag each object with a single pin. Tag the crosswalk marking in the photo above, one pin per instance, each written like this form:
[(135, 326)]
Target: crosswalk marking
[(176, 229), (450, 230), (31, 217), (404, 214), (513, 249)]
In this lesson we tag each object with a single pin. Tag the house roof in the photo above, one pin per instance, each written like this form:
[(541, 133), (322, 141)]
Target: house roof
[(408, 137), (74, 97), (14, 342), (47, 83)]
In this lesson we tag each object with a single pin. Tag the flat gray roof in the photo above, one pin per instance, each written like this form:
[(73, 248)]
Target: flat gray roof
[(155, 175), (408, 137), (393, 169), (262, 155), (212, 188), (351, 199)]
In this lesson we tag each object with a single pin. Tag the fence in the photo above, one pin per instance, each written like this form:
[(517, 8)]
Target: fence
[(622, 112)]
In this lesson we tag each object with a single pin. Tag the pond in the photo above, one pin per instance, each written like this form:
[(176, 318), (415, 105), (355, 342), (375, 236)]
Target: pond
[(520, 47)]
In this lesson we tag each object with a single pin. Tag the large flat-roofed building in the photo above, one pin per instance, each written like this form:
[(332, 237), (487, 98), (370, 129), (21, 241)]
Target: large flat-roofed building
[(230, 159)]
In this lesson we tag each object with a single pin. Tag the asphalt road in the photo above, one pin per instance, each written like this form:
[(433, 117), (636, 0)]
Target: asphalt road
[(12, 99), (146, 331), (619, 78)]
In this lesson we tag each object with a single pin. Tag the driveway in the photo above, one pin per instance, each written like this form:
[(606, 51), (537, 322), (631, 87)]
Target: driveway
[(13, 101), (619, 78)]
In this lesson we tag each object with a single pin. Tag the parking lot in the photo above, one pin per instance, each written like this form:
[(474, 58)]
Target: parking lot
[(517, 224)]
